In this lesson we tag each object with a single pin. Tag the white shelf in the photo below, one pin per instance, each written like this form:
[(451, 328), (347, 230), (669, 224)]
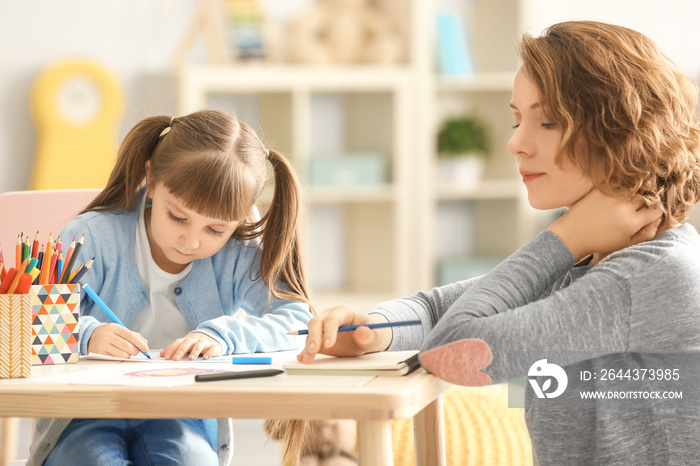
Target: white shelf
[(502, 219), (487, 189), (361, 301), (376, 118), (349, 195), (389, 230), (257, 78), (480, 82)]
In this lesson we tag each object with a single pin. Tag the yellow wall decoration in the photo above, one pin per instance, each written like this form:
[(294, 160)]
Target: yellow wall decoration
[(77, 106)]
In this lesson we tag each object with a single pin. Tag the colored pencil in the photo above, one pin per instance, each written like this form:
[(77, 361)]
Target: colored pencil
[(46, 265), (50, 243), (108, 312), (51, 276), (35, 245), (23, 266), (40, 262), (26, 249), (18, 252), (83, 270), (69, 253), (59, 267), (58, 249), (71, 262), (74, 273), (349, 328)]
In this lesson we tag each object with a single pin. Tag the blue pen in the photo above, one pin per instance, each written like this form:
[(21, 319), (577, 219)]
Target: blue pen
[(349, 328), (105, 309)]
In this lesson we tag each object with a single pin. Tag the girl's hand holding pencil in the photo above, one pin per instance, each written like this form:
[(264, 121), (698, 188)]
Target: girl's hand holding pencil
[(116, 340), (112, 339)]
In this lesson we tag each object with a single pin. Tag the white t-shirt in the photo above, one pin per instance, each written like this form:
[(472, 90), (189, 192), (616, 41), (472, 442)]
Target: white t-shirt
[(161, 322)]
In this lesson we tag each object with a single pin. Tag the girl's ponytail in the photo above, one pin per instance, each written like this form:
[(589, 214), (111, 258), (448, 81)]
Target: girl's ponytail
[(281, 251), (130, 168)]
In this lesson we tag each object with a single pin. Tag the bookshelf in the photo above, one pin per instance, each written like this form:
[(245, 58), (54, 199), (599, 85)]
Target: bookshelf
[(374, 218), (391, 235), (475, 227)]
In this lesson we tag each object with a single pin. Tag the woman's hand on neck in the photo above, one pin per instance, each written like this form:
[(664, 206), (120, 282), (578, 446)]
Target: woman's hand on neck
[(598, 224)]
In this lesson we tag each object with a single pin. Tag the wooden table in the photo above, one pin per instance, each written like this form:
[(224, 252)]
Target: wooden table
[(373, 405)]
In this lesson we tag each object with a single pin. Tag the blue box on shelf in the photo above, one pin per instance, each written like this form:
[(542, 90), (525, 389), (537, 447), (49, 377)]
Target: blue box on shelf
[(348, 170), (454, 270)]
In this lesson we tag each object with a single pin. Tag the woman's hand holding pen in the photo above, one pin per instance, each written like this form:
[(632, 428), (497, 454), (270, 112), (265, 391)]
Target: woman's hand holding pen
[(324, 337), (115, 340), (192, 346), (602, 224)]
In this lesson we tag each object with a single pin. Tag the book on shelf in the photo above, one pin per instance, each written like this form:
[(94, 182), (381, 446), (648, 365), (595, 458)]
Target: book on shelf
[(454, 51), (385, 363)]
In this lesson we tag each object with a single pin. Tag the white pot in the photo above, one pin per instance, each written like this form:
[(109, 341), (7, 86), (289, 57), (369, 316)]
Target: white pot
[(465, 171)]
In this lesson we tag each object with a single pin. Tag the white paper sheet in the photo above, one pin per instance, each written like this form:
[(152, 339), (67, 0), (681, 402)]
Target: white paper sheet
[(164, 373), (279, 356)]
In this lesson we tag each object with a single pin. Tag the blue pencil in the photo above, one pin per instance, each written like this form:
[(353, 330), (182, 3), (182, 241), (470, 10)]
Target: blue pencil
[(349, 328), (88, 289)]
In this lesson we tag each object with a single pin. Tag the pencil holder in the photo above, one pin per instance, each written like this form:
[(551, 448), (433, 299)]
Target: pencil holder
[(55, 322), (39, 327), (15, 336)]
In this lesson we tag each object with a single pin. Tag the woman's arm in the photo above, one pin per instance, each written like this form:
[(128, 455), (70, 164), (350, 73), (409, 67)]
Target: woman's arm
[(427, 307), (505, 311)]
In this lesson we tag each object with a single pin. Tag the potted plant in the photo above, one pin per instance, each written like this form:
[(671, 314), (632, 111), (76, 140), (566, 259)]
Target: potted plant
[(463, 145)]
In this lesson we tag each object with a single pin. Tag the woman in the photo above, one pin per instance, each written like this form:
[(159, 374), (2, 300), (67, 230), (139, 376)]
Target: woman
[(604, 125)]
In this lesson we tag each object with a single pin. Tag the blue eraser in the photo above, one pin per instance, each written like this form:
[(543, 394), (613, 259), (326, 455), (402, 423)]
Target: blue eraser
[(252, 360)]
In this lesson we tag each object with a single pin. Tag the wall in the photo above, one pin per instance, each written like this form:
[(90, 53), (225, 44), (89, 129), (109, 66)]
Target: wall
[(670, 23), (137, 39)]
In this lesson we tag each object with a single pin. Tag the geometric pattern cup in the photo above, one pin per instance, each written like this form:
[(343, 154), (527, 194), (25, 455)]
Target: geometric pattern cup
[(55, 324)]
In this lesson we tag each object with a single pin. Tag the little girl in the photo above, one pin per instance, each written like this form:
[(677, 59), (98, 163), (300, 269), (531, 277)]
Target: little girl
[(176, 255)]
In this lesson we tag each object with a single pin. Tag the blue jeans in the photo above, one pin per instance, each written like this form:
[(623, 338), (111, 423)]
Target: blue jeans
[(110, 442)]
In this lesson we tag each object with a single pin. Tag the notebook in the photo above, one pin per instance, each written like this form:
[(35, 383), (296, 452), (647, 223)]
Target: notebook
[(386, 363)]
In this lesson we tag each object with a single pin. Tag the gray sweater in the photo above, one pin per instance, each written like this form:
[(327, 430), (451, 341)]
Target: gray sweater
[(645, 298)]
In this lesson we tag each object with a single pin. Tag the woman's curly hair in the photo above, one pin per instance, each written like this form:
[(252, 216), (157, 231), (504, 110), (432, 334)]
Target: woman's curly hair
[(627, 113)]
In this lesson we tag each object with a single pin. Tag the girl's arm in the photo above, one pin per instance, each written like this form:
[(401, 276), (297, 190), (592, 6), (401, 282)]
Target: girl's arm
[(265, 332), (96, 335), (268, 320)]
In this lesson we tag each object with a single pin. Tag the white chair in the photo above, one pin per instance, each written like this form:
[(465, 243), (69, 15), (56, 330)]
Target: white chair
[(28, 212)]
